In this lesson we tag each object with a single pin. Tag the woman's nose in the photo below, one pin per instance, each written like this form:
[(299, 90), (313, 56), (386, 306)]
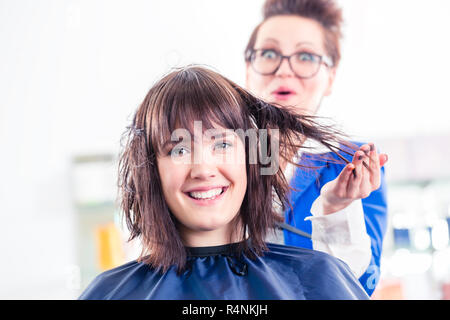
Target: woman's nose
[(285, 69), (203, 167), (202, 171)]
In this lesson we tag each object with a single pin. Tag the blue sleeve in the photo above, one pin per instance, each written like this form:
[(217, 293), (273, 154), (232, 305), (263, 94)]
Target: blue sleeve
[(375, 216), (374, 207)]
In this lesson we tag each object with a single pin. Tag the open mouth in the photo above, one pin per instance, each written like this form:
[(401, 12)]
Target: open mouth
[(211, 194), (283, 93)]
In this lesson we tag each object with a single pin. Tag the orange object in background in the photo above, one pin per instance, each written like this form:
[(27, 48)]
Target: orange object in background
[(388, 290), (110, 250)]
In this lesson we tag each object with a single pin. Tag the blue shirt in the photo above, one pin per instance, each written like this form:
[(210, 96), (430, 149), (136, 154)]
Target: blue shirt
[(309, 182)]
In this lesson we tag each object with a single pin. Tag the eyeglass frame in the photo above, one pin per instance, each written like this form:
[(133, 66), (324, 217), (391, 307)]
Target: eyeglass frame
[(323, 60)]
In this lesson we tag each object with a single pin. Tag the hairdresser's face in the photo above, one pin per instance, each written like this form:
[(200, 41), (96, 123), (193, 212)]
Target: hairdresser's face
[(204, 183), (288, 35)]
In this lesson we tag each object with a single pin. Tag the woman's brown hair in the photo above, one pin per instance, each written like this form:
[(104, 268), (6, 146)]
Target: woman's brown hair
[(325, 12), (198, 94)]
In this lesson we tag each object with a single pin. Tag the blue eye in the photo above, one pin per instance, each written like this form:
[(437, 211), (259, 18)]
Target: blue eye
[(178, 151), (222, 145), (306, 57), (269, 54)]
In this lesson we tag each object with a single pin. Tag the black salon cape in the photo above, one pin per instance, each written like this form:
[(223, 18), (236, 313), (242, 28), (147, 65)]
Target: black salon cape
[(283, 272)]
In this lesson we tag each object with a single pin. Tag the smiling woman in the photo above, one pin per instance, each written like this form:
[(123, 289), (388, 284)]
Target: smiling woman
[(211, 188), (202, 220)]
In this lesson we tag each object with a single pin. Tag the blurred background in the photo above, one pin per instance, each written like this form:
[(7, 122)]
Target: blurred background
[(72, 72)]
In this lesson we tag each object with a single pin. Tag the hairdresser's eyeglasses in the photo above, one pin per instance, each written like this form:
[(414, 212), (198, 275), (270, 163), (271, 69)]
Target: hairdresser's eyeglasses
[(304, 64)]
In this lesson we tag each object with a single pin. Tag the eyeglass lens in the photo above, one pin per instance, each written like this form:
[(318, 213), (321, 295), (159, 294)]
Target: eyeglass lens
[(303, 64)]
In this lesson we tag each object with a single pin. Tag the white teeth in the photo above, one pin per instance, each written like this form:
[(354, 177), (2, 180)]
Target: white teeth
[(207, 194)]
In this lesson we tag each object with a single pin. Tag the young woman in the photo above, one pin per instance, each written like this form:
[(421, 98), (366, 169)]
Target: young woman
[(292, 57), (197, 176)]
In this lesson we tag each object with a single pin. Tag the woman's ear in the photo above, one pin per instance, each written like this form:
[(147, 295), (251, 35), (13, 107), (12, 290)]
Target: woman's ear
[(331, 77)]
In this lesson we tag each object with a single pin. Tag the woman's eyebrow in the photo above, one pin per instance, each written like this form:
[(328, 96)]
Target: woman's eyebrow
[(224, 134), (300, 44), (216, 135), (170, 143), (271, 40), (167, 144)]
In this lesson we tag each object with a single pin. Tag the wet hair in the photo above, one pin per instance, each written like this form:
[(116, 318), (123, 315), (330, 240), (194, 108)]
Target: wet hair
[(181, 97), (325, 12)]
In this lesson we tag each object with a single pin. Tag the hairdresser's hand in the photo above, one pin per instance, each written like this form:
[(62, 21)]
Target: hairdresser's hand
[(355, 181)]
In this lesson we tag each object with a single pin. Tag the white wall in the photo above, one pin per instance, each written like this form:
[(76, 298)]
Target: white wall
[(72, 72), (394, 74)]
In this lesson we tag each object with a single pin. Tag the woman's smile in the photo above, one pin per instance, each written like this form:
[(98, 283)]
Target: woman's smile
[(208, 197)]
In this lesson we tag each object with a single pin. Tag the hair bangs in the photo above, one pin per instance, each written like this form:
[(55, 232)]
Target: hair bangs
[(193, 95)]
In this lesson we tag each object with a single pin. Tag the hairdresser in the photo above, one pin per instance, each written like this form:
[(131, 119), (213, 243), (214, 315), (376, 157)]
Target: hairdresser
[(291, 59)]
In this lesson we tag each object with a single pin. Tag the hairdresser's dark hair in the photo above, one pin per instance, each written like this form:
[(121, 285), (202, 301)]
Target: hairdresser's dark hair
[(198, 94), (325, 12)]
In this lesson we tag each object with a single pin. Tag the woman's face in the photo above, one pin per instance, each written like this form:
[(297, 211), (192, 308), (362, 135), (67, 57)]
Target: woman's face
[(204, 183), (288, 35)]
